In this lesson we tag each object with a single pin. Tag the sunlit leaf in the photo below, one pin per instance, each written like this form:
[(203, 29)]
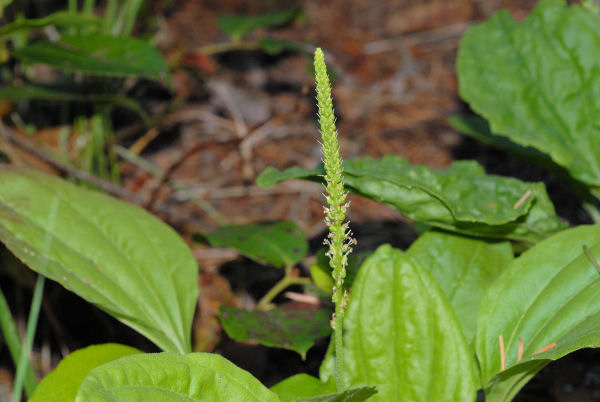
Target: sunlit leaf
[(401, 335), (463, 267), (111, 253), (62, 384), (172, 377), (549, 298)]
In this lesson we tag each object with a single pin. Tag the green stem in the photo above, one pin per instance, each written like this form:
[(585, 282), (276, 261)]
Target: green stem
[(288, 280), (11, 335), (34, 314)]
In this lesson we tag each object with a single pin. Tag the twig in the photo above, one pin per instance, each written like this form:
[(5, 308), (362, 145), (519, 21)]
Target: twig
[(106, 186)]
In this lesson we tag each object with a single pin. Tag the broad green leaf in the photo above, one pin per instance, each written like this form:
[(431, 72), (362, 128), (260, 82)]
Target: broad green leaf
[(401, 335), (59, 18), (62, 384), (538, 82), (237, 26), (98, 54), (302, 386), (278, 243), (113, 254), (550, 295), (461, 198), (464, 268), (172, 377), (293, 329)]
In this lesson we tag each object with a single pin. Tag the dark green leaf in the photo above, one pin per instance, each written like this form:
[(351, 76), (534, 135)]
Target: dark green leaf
[(237, 26), (479, 128), (293, 329), (401, 335), (278, 243), (357, 394), (60, 18), (63, 382), (461, 198), (550, 298), (113, 254), (464, 268), (172, 377), (98, 54), (536, 82), (21, 92)]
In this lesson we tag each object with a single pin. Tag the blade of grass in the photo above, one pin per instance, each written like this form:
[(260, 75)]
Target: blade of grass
[(11, 335), (34, 312)]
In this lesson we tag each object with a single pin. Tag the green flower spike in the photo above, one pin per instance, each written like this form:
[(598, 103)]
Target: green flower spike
[(339, 239)]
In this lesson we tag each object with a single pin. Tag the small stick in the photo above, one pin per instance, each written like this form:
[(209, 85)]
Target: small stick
[(522, 199), (299, 297), (502, 355), (520, 353), (545, 348)]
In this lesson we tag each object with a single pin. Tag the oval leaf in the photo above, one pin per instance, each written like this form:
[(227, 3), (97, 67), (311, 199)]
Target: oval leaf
[(294, 329), (98, 54), (306, 388), (401, 335), (278, 243), (111, 253), (59, 18), (536, 82), (461, 198), (549, 298), (464, 268), (169, 376), (62, 384), (302, 386)]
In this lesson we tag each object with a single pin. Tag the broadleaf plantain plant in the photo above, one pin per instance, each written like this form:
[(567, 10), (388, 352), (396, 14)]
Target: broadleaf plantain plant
[(449, 316)]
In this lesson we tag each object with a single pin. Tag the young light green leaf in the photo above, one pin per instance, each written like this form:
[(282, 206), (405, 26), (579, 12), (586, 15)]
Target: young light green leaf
[(461, 198), (401, 335), (59, 18), (549, 298), (321, 271), (463, 267), (356, 394), (293, 329), (536, 82), (62, 384), (278, 243), (98, 54), (306, 388), (113, 254), (302, 386), (172, 377), (237, 26)]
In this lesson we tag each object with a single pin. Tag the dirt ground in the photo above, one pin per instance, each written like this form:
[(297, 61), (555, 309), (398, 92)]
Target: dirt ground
[(231, 115)]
